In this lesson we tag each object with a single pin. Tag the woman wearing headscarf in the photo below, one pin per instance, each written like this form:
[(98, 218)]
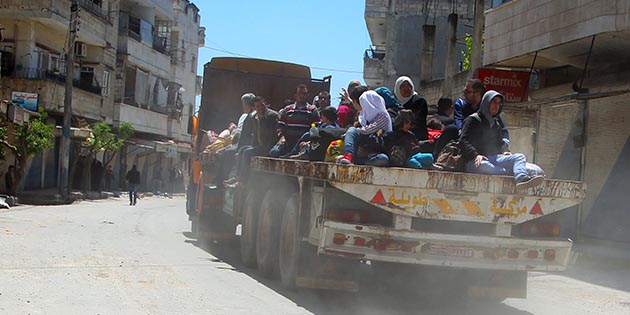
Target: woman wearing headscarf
[(409, 98), (373, 117), (484, 150)]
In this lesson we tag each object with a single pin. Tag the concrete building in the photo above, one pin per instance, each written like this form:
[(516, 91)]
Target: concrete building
[(576, 123), (156, 83), (410, 37), (34, 39), (135, 62)]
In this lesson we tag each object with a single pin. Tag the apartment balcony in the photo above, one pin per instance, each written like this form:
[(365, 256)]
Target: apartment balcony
[(86, 99), (142, 120), (150, 56), (374, 67), (560, 32), (376, 20), (55, 15), (50, 75)]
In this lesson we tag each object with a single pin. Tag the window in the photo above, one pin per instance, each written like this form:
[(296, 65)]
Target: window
[(105, 89), (142, 83), (193, 64)]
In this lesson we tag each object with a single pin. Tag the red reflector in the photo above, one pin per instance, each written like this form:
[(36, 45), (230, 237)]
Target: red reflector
[(339, 239), (380, 245), (550, 255), (347, 216), (407, 247), (513, 254), (556, 230), (359, 241), (532, 254)]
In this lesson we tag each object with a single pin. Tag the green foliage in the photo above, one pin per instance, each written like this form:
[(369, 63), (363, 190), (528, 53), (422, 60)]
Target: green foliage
[(35, 136), (125, 130), (466, 54), (103, 139)]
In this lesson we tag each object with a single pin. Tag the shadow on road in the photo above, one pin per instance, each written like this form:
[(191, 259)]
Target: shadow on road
[(371, 299), (607, 273)]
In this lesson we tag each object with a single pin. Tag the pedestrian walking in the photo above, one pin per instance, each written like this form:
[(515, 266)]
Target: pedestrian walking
[(133, 181)]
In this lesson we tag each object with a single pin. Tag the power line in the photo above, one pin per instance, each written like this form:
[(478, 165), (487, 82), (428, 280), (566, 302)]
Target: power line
[(316, 68)]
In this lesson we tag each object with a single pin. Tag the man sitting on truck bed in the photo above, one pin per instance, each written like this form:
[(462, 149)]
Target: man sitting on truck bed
[(483, 148), (265, 136), (242, 138), (295, 120)]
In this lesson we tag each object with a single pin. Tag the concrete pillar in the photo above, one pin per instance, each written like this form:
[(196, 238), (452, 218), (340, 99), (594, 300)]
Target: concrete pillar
[(475, 57), (391, 74), (428, 47), (25, 54), (447, 85)]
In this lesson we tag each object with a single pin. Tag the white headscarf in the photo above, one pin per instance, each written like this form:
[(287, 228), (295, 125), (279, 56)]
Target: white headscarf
[(371, 105), (399, 82)]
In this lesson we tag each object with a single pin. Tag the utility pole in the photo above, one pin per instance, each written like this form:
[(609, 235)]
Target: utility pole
[(64, 149), (475, 58)]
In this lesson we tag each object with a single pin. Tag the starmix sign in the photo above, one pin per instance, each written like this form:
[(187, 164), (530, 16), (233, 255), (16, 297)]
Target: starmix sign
[(512, 84)]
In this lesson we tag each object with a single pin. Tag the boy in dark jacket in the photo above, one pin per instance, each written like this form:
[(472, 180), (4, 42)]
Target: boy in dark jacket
[(403, 147), (483, 148)]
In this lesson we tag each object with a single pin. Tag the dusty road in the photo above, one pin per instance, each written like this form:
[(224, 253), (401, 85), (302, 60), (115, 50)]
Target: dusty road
[(105, 257)]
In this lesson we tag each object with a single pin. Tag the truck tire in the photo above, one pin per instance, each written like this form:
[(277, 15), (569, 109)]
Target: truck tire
[(249, 227), (268, 234), (290, 243)]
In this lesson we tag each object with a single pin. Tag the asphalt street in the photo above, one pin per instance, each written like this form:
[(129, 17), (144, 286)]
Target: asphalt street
[(106, 257)]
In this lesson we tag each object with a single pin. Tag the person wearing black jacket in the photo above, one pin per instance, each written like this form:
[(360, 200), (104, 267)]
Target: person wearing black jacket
[(484, 150), (409, 98), (133, 181)]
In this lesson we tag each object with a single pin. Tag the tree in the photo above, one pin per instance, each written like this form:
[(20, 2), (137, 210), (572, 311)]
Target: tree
[(31, 139), (466, 54), (102, 139)]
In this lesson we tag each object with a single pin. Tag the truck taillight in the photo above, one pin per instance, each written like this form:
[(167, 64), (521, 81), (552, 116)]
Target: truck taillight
[(550, 254), (540, 229), (339, 239), (348, 216), (532, 254)]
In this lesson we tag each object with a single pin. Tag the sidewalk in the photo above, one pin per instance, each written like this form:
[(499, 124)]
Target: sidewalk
[(52, 196), (602, 251)]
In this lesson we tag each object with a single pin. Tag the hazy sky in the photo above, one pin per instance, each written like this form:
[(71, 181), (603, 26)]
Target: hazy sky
[(329, 36)]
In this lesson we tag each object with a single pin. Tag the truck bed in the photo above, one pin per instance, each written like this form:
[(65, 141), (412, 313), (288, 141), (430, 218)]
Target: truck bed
[(437, 194)]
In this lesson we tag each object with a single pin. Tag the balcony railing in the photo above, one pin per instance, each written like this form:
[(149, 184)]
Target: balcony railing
[(93, 7), (374, 53), (47, 74)]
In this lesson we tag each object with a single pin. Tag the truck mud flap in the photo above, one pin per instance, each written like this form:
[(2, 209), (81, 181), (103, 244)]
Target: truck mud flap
[(327, 273)]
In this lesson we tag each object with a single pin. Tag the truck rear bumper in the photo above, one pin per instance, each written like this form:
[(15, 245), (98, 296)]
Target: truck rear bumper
[(462, 251)]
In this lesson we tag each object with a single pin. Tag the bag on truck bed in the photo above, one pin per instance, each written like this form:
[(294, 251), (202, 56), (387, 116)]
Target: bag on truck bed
[(450, 158), (319, 146)]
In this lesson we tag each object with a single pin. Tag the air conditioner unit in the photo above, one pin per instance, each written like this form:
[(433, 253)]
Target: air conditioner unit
[(80, 49)]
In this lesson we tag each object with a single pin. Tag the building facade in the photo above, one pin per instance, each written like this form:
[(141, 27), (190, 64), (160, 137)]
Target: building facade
[(156, 84), (410, 37), (576, 120), (135, 61)]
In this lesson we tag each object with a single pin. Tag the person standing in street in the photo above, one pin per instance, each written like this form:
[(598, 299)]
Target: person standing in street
[(133, 180), (9, 178)]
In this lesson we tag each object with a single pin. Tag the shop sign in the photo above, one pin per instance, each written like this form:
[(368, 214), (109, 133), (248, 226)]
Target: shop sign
[(512, 84), (25, 100)]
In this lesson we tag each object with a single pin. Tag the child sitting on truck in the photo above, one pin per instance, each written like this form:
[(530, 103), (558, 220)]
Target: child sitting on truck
[(373, 117), (402, 145), (328, 118)]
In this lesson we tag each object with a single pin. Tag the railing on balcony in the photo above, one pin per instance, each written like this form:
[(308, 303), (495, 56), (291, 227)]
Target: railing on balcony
[(47, 74), (374, 53), (94, 7)]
